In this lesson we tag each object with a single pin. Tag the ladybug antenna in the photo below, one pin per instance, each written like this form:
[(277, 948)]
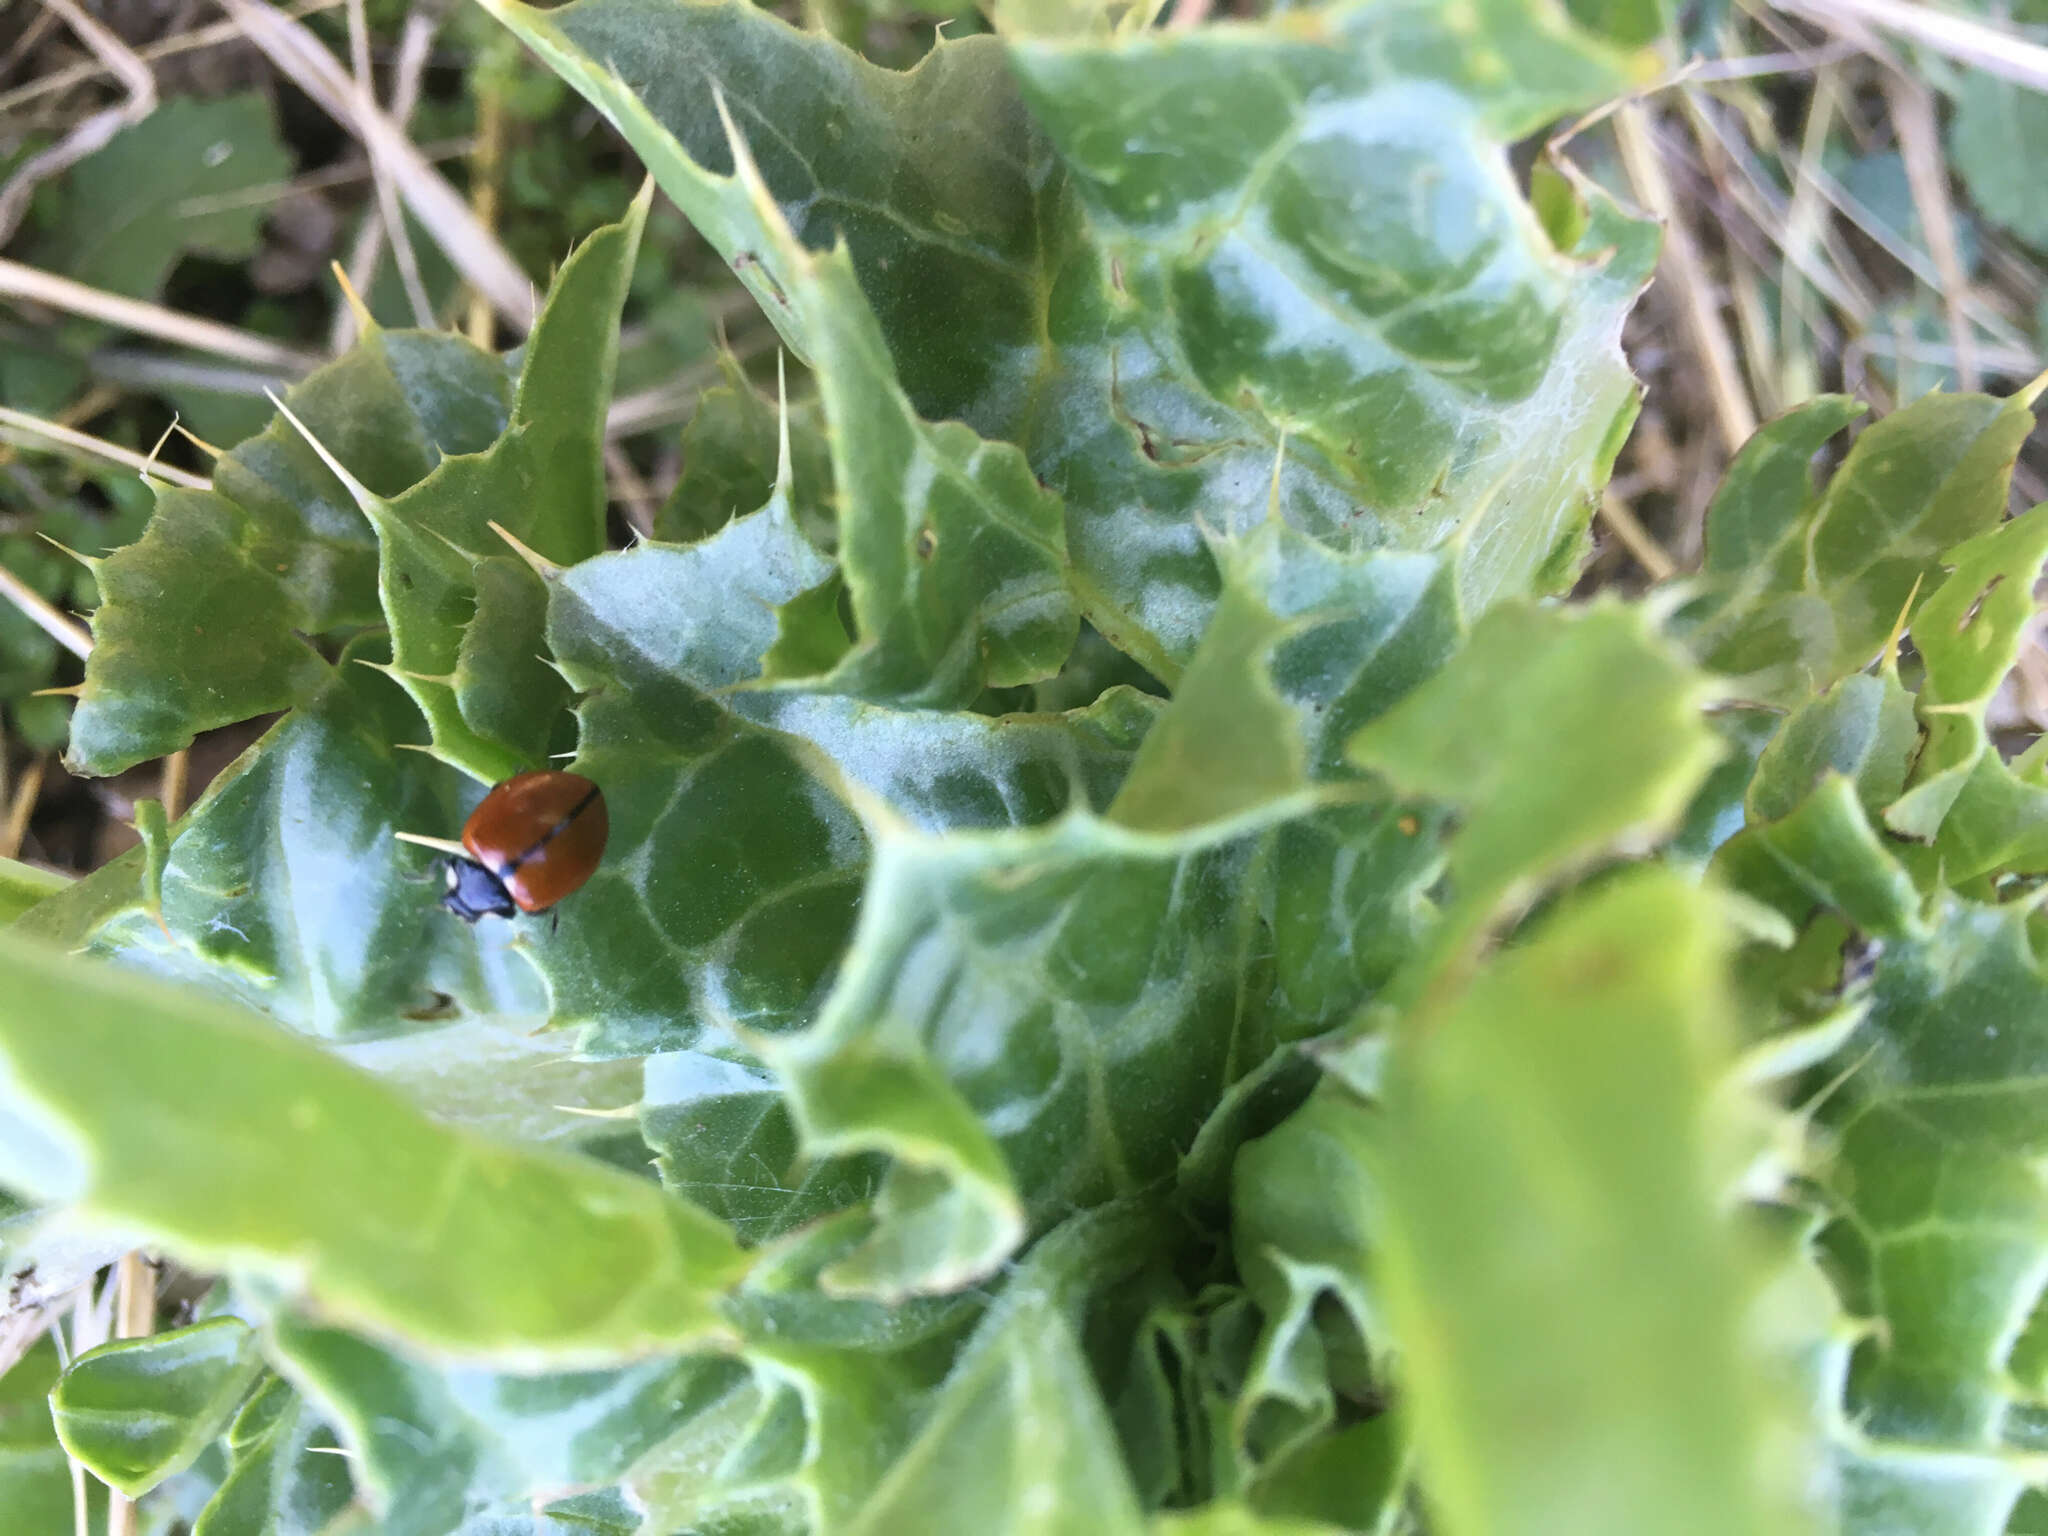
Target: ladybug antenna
[(445, 845)]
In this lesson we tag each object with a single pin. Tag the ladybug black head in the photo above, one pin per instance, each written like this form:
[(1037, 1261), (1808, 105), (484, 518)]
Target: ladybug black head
[(475, 892)]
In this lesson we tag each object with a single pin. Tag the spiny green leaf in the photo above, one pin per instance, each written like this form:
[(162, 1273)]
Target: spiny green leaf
[(726, 1141), (141, 1113), (1573, 1310), (542, 481), (138, 1410), (723, 840), (1260, 295), (941, 228), (1806, 588), (954, 556), (202, 622), (285, 1477), (1861, 727), (155, 677), (1150, 370), (1999, 822), (1932, 1116)]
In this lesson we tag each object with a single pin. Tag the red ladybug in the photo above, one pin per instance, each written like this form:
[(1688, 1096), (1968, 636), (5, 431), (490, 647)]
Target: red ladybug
[(532, 840)]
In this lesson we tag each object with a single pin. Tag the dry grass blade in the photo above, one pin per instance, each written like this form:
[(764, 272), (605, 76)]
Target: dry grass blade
[(19, 809), (95, 130), (630, 489), (1991, 49), (15, 424), (60, 627), (1912, 107), (33, 285), (415, 46), (473, 250), (1642, 160), (155, 371), (134, 1318), (389, 213), (188, 42), (1648, 553)]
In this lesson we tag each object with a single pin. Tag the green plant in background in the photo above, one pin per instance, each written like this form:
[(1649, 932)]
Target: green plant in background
[(1148, 976)]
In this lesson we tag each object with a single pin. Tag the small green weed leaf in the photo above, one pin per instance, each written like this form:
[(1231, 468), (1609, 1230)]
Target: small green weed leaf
[(1811, 836), (1933, 1127), (1023, 1412), (1861, 727), (285, 1474), (1995, 119), (138, 1410), (203, 621), (1823, 852), (730, 452), (1608, 706), (1805, 588), (1998, 824), (35, 1475), (438, 1444), (165, 186), (139, 1115), (1302, 1229), (1046, 983), (1969, 634), (1573, 1309), (543, 482)]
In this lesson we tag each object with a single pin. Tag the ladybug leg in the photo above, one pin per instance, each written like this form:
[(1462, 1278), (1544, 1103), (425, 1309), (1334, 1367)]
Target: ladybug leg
[(554, 922)]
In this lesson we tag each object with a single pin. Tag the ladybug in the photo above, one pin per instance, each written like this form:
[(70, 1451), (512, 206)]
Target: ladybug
[(531, 841)]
